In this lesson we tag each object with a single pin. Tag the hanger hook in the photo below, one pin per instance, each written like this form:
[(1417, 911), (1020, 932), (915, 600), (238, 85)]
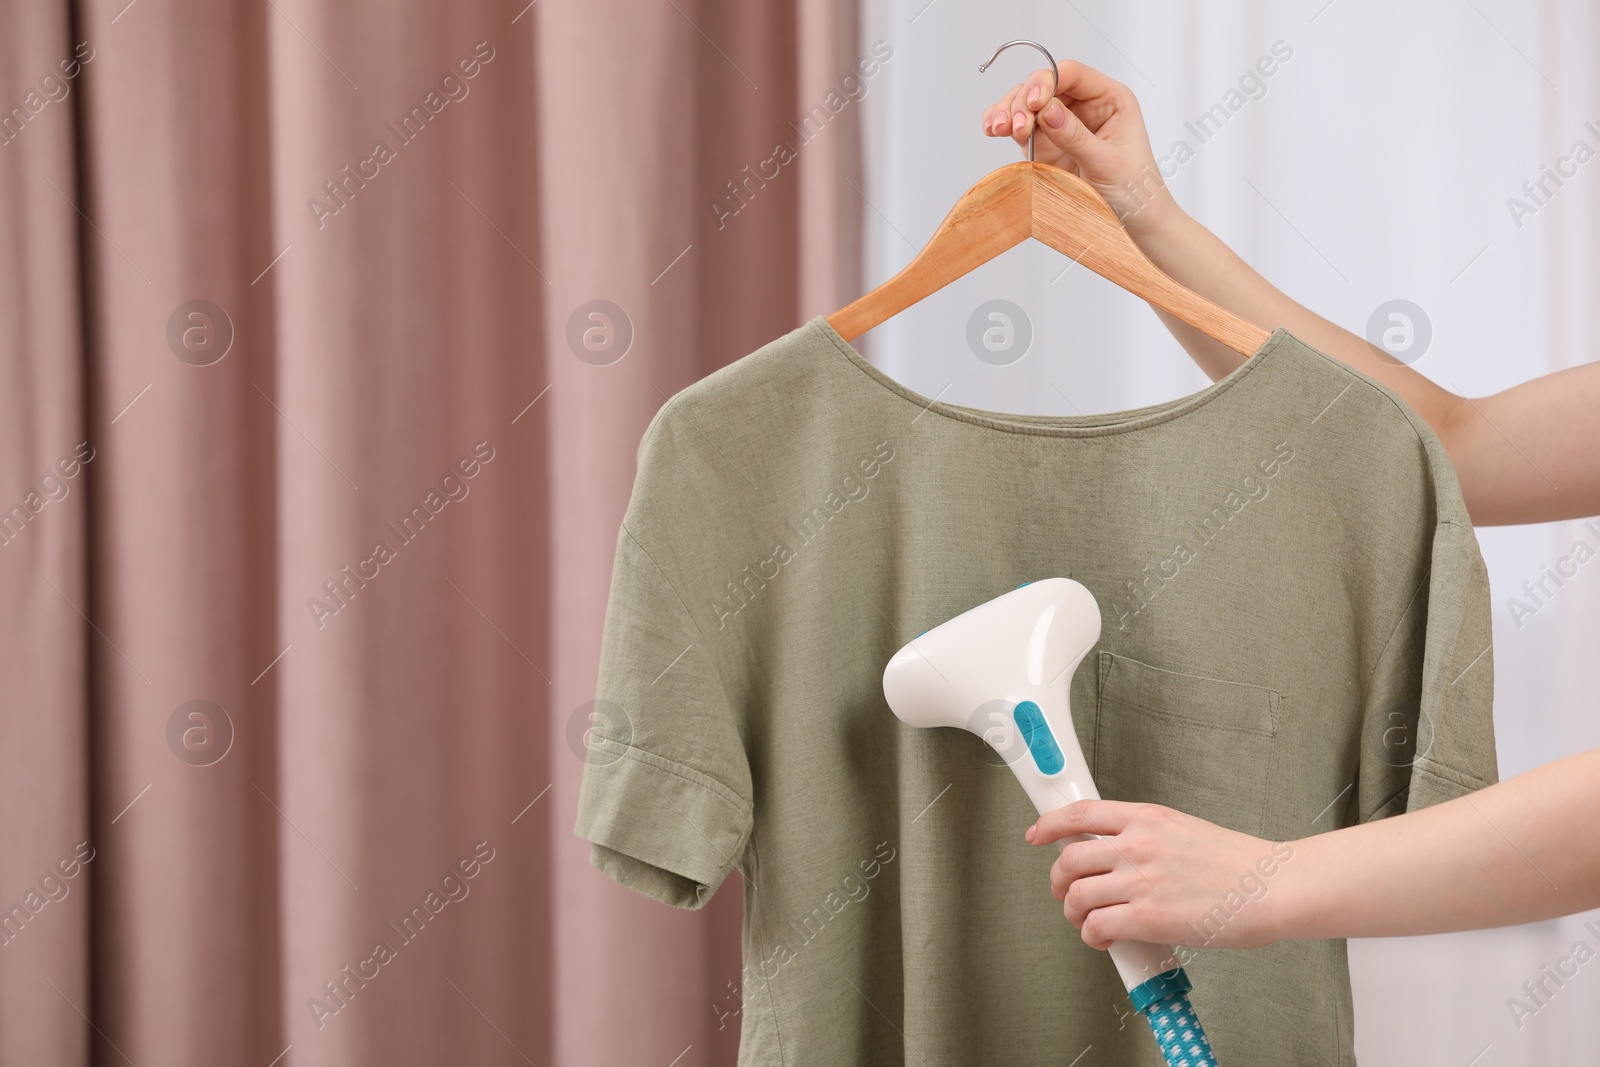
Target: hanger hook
[(1055, 79)]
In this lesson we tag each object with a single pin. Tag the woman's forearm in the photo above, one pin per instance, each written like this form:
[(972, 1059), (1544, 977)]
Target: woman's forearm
[(1199, 260), (1515, 852), (1528, 454)]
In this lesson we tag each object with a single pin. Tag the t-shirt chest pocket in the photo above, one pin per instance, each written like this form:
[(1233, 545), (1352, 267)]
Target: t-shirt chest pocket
[(1198, 744)]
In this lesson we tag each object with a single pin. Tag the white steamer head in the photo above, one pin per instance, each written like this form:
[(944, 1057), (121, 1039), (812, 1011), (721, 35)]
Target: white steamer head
[(1003, 670)]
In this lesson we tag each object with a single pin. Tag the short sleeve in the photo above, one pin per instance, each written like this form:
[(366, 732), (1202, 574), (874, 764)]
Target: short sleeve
[(665, 799), (1428, 734)]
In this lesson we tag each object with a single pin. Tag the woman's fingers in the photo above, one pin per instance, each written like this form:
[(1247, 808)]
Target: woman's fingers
[(1070, 138), (1012, 115), (1095, 95), (1089, 125), (1086, 92), (1004, 110), (1017, 108), (1081, 859), (1151, 873), (1026, 101), (1085, 895), (1099, 817), (1106, 924)]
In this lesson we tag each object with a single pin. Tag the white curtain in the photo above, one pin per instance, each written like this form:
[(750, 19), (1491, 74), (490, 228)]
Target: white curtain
[(1379, 162)]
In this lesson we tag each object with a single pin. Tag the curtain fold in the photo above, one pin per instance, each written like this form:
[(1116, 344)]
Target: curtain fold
[(44, 777), (300, 650)]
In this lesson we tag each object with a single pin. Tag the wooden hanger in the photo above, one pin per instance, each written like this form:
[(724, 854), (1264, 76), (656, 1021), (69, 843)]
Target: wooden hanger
[(1051, 205)]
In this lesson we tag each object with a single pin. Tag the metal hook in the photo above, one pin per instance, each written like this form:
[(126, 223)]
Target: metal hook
[(1055, 80)]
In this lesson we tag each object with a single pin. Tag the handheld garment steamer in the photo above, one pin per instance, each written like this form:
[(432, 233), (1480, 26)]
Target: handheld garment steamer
[(1002, 670)]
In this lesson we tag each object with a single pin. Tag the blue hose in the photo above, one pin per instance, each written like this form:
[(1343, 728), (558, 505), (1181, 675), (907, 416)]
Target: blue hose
[(1164, 1002)]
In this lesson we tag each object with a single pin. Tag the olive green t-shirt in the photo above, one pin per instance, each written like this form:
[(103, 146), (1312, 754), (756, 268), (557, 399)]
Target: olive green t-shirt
[(1296, 637)]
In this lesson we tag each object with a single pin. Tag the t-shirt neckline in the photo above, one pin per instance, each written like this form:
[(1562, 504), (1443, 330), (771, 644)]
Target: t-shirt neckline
[(1112, 422)]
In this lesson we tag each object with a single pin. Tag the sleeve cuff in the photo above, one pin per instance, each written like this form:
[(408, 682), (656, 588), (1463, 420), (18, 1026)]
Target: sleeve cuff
[(1430, 783), (1433, 783), (659, 827)]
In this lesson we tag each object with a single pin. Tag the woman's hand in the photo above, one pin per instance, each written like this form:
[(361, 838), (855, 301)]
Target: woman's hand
[(1155, 874), (1093, 128)]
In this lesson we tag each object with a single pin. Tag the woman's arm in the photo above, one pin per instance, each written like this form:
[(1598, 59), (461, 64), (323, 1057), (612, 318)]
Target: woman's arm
[(1528, 454), (1522, 850)]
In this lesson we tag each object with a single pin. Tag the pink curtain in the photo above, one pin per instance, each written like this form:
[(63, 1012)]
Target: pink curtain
[(312, 460)]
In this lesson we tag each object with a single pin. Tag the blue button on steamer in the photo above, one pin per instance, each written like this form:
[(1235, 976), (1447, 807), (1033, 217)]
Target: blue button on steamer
[(1037, 736)]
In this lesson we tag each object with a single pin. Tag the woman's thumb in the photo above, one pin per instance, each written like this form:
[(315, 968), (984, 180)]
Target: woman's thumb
[(1057, 124)]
